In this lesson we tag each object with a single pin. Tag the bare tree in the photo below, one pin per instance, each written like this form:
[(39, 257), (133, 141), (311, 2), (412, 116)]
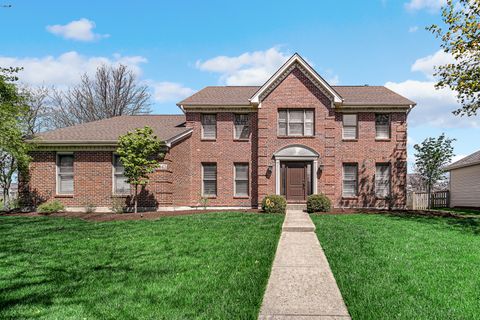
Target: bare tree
[(35, 119), (113, 91)]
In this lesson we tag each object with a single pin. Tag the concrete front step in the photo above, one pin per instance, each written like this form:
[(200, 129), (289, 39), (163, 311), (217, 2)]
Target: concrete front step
[(297, 206)]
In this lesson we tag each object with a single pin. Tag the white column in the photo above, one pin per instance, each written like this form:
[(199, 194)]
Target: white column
[(315, 176), (277, 176)]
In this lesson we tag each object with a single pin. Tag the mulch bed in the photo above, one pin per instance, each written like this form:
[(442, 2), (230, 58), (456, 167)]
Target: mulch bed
[(105, 216)]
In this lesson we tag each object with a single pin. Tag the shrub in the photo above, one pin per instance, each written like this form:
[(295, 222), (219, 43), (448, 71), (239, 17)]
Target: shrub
[(318, 203), (50, 207), (118, 205), (90, 208), (274, 204)]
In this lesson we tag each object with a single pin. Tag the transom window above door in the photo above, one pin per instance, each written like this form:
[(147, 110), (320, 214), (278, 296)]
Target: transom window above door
[(295, 122)]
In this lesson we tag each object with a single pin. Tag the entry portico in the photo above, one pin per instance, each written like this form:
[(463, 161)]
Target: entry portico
[(296, 168)]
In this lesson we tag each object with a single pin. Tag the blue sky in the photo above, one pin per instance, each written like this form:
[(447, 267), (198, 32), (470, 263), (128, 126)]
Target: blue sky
[(178, 47)]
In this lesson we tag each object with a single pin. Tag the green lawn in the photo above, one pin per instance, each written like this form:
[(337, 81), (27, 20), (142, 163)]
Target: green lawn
[(461, 211), (404, 267), (212, 266)]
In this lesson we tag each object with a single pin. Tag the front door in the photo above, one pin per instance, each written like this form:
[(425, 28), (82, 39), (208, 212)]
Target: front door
[(296, 181)]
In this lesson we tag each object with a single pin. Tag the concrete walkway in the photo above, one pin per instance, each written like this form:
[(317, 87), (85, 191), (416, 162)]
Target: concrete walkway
[(301, 284)]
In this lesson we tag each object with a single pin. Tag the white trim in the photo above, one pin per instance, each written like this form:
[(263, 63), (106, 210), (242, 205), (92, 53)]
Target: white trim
[(306, 159), (277, 176), (176, 139), (235, 180), (296, 58)]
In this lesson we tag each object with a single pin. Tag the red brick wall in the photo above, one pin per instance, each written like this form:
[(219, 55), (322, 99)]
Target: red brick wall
[(296, 91)]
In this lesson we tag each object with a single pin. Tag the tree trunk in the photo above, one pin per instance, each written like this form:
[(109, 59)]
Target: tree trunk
[(135, 199), (429, 189), (6, 199)]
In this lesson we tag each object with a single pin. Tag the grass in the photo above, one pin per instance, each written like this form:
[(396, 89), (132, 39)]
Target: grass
[(212, 266), (404, 267), (461, 211)]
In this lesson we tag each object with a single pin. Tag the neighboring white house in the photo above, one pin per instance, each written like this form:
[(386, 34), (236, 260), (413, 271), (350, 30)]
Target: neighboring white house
[(465, 181)]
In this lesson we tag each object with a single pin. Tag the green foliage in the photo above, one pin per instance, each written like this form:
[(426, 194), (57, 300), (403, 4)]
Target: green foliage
[(274, 204), (140, 152), (50, 207), (118, 205), (431, 156), (461, 39), (14, 151), (318, 203)]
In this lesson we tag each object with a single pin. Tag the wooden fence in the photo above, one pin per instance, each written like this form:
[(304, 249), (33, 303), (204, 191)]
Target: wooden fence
[(419, 200)]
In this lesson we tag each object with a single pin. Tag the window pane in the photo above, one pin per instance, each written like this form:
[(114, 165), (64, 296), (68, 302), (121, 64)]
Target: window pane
[(241, 188), (349, 180), (282, 115), (65, 184), (241, 172), (209, 126), (350, 120), (209, 179), (349, 188), (382, 119), (309, 129), (309, 116), (382, 131), (242, 127), (282, 129), (121, 185), (295, 129), (349, 132), (65, 163), (382, 180), (296, 116)]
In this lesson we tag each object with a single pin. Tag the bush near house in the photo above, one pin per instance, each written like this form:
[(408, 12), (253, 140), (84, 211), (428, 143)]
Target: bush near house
[(50, 207), (318, 203), (274, 204)]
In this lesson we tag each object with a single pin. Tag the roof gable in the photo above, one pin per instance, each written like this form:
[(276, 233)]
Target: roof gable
[(470, 160), (296, 61)]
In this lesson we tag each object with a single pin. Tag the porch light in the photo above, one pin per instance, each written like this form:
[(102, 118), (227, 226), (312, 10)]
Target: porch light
[(270, 169), (320, 167)]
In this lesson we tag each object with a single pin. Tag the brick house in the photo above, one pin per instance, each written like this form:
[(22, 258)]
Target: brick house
[(295, 135)]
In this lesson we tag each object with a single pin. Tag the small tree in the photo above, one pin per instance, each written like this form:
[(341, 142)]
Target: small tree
[(431, 156), (139, 151)]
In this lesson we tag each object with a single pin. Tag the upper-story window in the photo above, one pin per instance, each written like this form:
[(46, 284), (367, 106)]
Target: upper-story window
[(209, 126), (120, 184), (350, 126), (382, 126), (65, 174), (295, 122), (242, 126)]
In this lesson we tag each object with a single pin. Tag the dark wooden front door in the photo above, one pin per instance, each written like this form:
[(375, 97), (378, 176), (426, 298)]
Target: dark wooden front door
[(296, 182)]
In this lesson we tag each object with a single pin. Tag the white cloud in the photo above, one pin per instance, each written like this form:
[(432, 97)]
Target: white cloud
[(81, 30), (67, 68), (250, 68), (413, 29), (429, 5), (170, 91), (434, 107), (427, 64)]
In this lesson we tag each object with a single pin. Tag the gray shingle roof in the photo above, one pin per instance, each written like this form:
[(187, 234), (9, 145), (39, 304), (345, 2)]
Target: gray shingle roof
[(469, 160), (165, 127), (352, 95)]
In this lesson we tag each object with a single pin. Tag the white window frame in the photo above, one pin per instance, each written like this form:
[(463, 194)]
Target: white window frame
[(235, 127), (201, 124), (57, 173), (389, 182), (388, 126), (235, 180), (288, 134), (203, 164), (343, 180), (114, 189), (356, 126)]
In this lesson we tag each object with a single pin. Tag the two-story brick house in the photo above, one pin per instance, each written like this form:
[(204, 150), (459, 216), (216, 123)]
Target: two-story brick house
[(295, 135)]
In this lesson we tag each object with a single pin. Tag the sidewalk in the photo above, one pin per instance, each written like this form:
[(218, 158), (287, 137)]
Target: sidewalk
[(301, 284)]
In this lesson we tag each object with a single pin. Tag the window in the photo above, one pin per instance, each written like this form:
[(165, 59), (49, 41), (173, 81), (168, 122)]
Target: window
[(241, 179), (382, 180), (350, 174), (350, 126), (120, 184), (65, 174), (209, 179), (209, 126), (242, 126), (382, 126), (295, 122)]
